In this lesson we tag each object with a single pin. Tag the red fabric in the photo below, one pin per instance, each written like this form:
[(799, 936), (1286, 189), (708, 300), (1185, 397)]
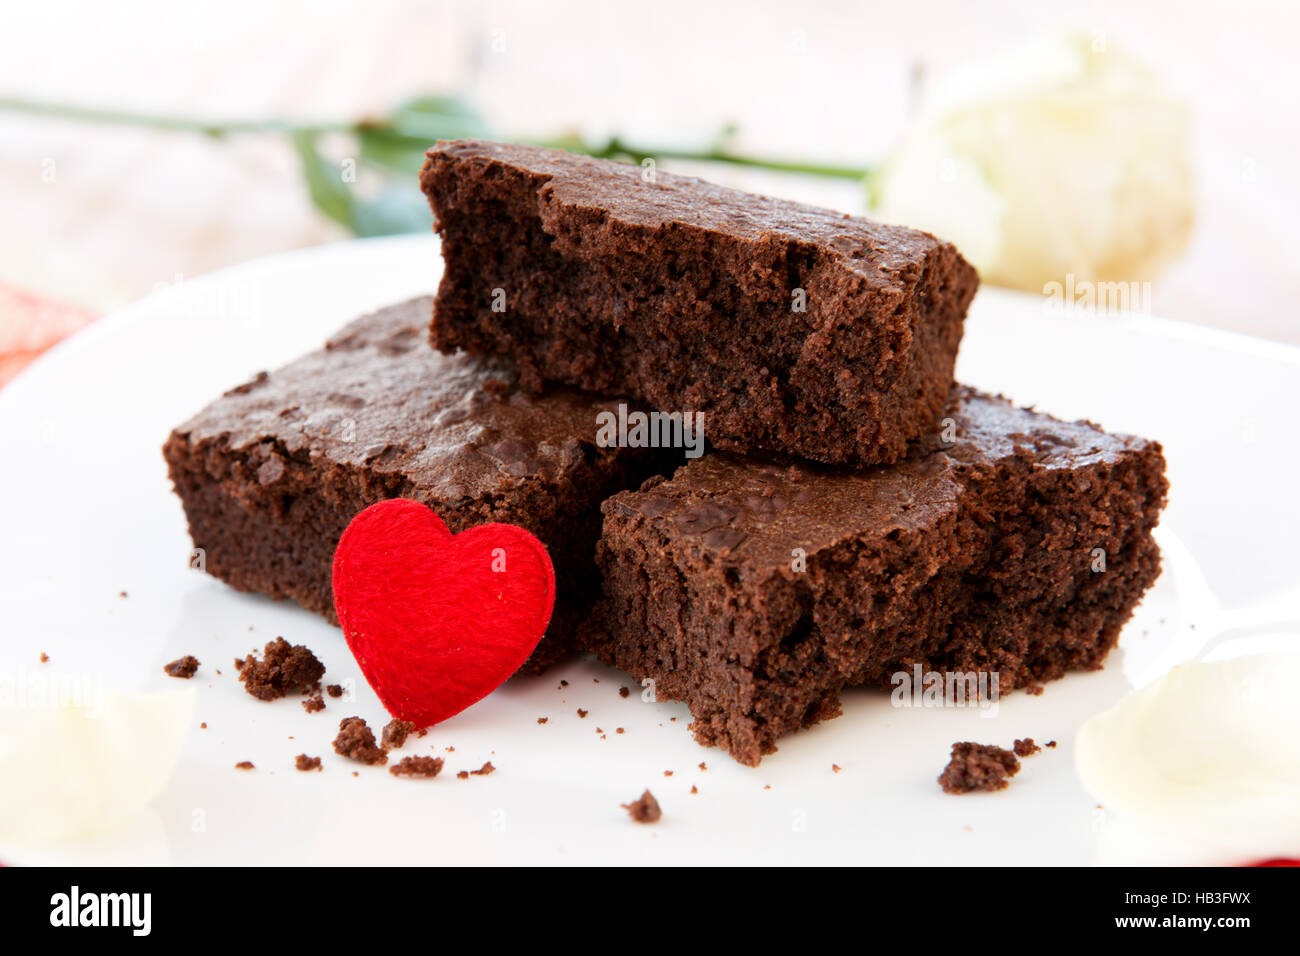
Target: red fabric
[(1277, 861), (437, 621), (29, 325)]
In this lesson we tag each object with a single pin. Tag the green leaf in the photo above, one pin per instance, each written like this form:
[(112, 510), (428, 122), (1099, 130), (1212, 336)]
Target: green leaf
[(432, 118), (398, 142), (392, 151), (329, 193), (400, 207), (447, 107)]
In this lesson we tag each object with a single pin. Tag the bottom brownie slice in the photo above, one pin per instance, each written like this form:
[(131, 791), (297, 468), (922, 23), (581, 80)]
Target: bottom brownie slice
[(1008, 544), (272, 472)]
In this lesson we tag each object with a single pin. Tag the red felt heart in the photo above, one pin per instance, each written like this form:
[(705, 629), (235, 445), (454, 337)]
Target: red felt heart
[(437, 621)]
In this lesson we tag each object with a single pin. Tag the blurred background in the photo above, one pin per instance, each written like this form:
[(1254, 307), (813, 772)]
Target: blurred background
[(1150, 144)]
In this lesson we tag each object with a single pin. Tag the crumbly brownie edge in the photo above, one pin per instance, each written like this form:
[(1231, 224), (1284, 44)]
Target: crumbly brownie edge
[(758, 661), (751, 658)]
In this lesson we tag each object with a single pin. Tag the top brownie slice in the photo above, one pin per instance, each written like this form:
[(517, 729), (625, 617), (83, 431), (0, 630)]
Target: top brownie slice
[(271, 473), (792, 329)]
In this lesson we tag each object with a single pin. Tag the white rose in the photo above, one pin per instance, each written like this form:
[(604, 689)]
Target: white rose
[(1063, 157), (86, 766), (1206, 755)]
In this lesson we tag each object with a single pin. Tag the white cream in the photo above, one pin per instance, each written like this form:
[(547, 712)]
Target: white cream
[(1209, 753), (84, 769)]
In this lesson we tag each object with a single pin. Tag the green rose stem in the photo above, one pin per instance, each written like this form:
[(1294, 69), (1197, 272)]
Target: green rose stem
[(615, 148), (396, 144), (173, 124)]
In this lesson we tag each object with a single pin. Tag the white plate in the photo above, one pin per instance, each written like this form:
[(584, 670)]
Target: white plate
[(89, 513)]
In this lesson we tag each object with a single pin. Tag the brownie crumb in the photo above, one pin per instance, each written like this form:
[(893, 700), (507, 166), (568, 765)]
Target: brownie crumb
[(314, 704), (496, 387), (618, 730), (203, 726), (417, 767), (356, 741), (484, 770), (581, 712), (284, 668), (121, 594), (334, 690), (623, 692), (45, 658), (1026, 747), (703, 765), (303, 762), (645, 809), (978, 767), (462, 775), (182, 667), (668, 773), (694, 789), (1050, 743), (836, 768), (542, 720), (1034, 690), (244, 765), (395, 733)]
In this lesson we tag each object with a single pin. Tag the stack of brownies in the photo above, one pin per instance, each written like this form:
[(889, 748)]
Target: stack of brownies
[(856, 515)]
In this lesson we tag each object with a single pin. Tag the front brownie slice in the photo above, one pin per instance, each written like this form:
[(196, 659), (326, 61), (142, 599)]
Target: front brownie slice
[(271, 473), (792, 329), (1010, 543)]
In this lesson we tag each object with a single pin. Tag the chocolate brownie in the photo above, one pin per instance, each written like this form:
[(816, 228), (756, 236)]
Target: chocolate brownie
[(284, 669), (395, 733), (973, 767), (644, 809), (356, 741), (272, 472), (1008, 543), (183, 667), (791, 328), (417, 767)]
